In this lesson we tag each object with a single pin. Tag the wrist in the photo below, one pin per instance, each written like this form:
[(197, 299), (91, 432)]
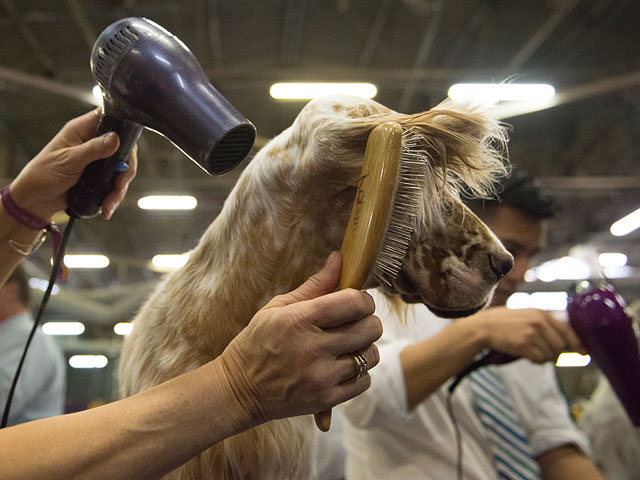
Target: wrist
[(24, 199), (475, 331), (240, 410)]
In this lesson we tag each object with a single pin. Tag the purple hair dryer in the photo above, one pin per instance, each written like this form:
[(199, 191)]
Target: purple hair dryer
[(606, 331), (149, 78)]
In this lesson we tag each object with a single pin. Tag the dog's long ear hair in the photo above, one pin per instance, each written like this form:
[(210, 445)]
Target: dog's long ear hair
[(462, 147)]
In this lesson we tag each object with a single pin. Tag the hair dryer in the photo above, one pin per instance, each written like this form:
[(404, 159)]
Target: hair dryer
[(606, 331), (149, 78)]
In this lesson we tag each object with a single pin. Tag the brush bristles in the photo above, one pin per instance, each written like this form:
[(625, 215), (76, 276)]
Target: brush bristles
[(408, 196)]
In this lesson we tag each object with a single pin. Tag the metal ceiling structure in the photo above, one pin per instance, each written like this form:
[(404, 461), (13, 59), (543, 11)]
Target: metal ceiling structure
[(584, 149)]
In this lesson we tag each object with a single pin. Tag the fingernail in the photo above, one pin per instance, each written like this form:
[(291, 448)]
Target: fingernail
[(109, 138), (121, 166), (331, 259), (109, 212)]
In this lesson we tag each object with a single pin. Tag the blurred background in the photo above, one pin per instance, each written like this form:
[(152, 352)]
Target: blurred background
[(582, 144)]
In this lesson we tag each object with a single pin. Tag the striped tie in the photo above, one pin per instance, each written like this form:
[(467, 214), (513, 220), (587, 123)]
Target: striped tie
[(511, 451)]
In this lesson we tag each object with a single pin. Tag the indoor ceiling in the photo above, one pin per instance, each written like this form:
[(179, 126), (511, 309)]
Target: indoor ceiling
[(585, 149)]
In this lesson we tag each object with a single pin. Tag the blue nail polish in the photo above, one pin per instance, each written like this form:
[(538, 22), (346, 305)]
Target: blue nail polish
[(121, 167)]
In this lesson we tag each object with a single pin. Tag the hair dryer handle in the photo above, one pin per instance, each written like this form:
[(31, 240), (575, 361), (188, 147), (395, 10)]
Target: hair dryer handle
[(85, 198)]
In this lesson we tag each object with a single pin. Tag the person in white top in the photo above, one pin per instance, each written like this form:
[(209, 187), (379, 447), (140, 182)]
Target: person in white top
[(40, 390), (401, 427)]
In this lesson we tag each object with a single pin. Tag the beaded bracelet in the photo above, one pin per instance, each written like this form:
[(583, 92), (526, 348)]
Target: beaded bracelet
[(31, 221)]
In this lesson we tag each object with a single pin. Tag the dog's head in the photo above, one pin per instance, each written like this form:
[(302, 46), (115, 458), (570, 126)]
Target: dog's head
[(453, 261)]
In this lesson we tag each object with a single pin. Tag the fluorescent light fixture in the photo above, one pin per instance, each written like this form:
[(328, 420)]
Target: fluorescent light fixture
[(63, 328), (306, 91), (123, 328), (40, 284), (86, 261), (169, 262), (626, 224), (501, 92), (565, 268), (619, 272), (612, 259), (572, 359), (88, 361), (550, 301), (518, 300), (168, 202)]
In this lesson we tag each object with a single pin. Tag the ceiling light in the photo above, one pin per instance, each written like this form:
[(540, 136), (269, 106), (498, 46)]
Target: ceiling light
[(499, 92), (88, 361), (626, 224), (572, 359), (63, 328), (123, 328), (611, 259), (169, 262), (40, 284), (550, 301), (86, 261), (565, 268), (168, 202), (306, 91)]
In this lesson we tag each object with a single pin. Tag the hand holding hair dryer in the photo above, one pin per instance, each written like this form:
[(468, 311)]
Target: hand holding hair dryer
[(149, 78)]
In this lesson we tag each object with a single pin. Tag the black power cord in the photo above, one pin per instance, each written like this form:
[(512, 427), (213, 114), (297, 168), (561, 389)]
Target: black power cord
[(456, 429), (52, 280)]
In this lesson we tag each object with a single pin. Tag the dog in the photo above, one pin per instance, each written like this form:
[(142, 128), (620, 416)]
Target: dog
[(287, 212)]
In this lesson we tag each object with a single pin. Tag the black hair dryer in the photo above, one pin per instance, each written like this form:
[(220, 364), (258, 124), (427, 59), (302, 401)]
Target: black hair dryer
[(149, 78)]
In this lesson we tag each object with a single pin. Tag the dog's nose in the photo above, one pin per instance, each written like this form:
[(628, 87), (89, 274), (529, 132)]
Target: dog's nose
[(501, 263)]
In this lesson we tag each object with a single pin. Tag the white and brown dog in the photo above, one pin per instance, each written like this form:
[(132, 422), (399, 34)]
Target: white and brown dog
[(288, 211)]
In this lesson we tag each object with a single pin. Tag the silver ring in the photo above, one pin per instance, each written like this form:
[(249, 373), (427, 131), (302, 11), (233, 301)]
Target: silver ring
[(361, 365)]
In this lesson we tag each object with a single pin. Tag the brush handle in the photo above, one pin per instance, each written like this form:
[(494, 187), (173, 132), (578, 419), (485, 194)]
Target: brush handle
[(369, 215)]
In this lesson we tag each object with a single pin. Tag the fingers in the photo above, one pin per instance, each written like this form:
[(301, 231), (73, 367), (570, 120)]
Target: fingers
[(323, 282), (346, 367), (353, 336), (558, 337), (82, 128), (337, 308), (113, 200), (95, 148)]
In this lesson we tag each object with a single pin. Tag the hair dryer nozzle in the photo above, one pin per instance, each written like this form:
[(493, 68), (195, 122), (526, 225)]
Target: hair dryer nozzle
[(150, 77), (599, 319)]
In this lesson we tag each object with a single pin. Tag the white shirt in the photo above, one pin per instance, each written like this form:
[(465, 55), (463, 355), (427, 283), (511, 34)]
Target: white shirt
[(384, 440), (40, 391)]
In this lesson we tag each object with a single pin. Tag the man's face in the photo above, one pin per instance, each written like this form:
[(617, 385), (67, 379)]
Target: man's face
[(524, 236)]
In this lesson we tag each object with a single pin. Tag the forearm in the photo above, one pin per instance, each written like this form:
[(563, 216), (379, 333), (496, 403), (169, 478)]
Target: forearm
[(144, 436), (567, 463), (430, 363)]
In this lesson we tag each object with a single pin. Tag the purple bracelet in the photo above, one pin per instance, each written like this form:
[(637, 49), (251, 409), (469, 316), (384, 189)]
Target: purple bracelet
[(28, 219)]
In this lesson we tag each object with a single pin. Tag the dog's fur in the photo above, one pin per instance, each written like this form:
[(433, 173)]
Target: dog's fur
[(288, 211)]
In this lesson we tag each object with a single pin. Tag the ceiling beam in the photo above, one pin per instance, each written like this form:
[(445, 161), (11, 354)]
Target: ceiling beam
[(574, 94), (51, 86), (30, 38), (292, 31), (423, 55), (374, 34), (215, 37), (86, 29), (541, 35)]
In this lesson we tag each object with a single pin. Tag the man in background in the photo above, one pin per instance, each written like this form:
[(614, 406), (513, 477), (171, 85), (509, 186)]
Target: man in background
[(40, 391), (407, 425)]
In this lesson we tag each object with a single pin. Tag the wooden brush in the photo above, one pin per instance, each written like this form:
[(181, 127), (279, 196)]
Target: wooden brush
[(383, 215)]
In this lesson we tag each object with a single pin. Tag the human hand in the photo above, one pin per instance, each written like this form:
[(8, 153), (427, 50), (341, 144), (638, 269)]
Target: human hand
[(529, 333), (296, 355), (42, 186)]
